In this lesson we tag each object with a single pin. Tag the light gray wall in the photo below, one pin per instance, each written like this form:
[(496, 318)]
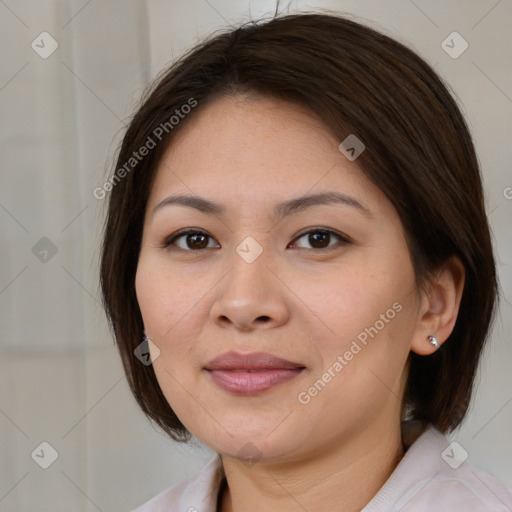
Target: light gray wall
[(61, 380)]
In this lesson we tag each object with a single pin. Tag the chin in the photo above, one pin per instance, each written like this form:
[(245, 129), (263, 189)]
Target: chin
[(252, 441)]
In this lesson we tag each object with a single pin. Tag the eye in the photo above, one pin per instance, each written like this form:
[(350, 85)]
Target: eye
[(193, 239), (319, 238)]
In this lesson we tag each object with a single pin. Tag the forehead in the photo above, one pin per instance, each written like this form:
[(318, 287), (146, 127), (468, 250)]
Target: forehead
[(248, 130), (242, 149)]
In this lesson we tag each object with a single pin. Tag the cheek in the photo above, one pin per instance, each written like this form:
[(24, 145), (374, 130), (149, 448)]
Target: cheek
[(371, 302), (172, 304), (149, 295), (164, 303), (346, 301), (164, 297)]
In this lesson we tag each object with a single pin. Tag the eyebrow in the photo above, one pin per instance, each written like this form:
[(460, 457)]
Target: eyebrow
[(280, 211)]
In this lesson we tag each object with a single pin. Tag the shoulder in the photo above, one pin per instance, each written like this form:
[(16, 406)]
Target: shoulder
[(197, 493), (434, 475)]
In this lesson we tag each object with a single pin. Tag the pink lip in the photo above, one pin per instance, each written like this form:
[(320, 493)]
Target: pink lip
[(251, 374)]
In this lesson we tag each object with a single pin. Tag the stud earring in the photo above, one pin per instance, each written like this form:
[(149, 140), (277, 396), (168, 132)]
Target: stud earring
[(433, 341)]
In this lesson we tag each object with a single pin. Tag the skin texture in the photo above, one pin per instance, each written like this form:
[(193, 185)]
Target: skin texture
[(297, 301)]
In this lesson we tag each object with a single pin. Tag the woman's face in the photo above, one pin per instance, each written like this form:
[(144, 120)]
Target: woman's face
[(328, 287)]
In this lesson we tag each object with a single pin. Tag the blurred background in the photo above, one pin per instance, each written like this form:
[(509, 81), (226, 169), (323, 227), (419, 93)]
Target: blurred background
[(71, 435)]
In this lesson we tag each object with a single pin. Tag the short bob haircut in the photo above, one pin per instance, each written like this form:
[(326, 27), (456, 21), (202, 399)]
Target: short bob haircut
[(419, 152)]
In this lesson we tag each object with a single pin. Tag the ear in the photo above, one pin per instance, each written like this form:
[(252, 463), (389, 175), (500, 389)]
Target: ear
[(439, 306)]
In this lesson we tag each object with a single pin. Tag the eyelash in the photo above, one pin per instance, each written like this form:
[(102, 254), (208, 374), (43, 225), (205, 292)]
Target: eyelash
[(172, 239)]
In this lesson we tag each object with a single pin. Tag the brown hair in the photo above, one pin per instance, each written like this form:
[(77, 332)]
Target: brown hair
[(419, 152)]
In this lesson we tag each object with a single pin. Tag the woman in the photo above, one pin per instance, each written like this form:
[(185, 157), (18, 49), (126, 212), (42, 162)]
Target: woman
[(298, 271)]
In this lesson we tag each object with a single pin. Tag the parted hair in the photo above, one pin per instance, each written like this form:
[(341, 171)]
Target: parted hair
[(419, 152)]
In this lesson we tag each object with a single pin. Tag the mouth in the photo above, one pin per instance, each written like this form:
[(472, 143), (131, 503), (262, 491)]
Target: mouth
[(251, 374)]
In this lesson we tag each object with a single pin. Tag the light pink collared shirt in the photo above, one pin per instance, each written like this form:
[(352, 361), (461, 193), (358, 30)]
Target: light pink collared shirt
[(431, 477)]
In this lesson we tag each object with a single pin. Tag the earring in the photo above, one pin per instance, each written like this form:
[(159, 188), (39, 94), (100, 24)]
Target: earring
[(433, 341)]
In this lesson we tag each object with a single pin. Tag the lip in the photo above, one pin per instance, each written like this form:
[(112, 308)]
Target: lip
[(251, 374)]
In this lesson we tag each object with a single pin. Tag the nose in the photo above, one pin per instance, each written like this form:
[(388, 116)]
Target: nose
[(251, 296)]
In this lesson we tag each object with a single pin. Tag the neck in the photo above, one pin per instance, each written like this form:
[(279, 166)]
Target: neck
[(349, 474)]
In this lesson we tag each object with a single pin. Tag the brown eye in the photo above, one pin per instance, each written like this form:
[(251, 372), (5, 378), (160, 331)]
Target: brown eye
[(321, 238), (192, 240)]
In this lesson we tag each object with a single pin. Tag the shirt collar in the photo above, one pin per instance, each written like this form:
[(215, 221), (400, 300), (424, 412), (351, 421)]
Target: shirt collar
[(202, 492), (420, 439)]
